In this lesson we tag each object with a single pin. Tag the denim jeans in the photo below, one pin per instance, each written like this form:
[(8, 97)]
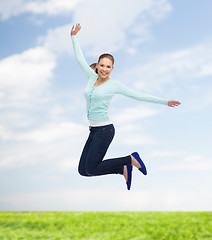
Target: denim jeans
[(91, 161)]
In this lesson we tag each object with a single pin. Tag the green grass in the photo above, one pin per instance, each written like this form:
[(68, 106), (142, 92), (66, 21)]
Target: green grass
[(106, 225)]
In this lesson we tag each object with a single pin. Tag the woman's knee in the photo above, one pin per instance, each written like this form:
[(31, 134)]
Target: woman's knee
[(90, 171), (82, 172)]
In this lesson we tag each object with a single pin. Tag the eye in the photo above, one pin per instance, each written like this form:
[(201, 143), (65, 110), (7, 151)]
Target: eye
[(101, 65), (108, 66)]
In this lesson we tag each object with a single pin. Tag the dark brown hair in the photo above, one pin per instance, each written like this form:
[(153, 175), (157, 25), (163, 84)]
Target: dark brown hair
[(104, 55)]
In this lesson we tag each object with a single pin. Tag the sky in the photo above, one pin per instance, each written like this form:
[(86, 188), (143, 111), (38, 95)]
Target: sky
[(161, 47)]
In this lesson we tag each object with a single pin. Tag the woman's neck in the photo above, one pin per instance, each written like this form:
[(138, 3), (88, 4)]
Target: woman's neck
[(102, 79)]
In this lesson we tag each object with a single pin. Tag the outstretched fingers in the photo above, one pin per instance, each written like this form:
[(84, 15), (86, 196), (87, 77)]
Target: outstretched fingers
[(76, 30), (173, 103)]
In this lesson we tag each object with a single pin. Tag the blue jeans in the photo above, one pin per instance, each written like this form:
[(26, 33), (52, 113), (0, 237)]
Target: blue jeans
[(91, 161)]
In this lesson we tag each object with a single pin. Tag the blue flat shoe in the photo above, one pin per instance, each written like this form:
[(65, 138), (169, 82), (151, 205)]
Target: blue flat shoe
[(129, 176), (142, 168)]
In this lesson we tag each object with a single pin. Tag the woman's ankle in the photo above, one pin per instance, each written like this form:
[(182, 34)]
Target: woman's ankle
[(134, 162), (125, 172)]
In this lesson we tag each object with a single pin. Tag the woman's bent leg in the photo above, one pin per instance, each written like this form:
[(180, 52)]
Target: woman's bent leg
[(82, 162), (111, 166), (102, 137)]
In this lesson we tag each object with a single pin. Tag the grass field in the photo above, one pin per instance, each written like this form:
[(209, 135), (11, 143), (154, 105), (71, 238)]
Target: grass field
[(106, 225)]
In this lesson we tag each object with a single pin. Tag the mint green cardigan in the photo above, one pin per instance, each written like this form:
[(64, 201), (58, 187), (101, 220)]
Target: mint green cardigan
[(98, 98)]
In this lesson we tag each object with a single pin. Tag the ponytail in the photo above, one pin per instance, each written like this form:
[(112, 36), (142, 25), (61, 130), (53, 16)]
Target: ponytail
[(93, 66)]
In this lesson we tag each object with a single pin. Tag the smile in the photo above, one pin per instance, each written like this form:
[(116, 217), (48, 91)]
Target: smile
[(103, 73)]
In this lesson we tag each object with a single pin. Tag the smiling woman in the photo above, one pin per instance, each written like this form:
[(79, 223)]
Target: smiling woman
[(98, 94)]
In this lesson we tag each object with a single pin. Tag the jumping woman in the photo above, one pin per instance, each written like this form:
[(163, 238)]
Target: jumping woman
[(98, 94)]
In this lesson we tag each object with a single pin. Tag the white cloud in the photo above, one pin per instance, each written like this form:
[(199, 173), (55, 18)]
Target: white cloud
[(89, 199), (10, 8), (133, 138), (48, 7), (194, 158), (68, 164), (57, 112), (189, 162), (51, 142), (52, 132), (179, 68), (133, 113), (53, 154), (15, 119), (131, 51), (25, 76), (58, 40), (162, 154), (128, 125), (155, 10), (59, 141), (119, 23), (183, 160), (196, 166)]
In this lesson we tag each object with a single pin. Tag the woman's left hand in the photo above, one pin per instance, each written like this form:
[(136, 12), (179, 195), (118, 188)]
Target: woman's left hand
[(173, 103)]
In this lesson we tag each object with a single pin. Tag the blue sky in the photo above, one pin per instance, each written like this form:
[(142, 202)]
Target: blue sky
[(160, 47)]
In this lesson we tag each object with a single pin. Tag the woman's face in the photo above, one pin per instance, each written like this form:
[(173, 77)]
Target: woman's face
[(105, 67)]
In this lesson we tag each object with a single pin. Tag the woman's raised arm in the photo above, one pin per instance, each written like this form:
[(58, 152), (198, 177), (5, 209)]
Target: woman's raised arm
[(89, 72)]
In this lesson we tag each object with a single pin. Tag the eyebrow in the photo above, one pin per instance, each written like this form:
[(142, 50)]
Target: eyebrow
[(106, 65)]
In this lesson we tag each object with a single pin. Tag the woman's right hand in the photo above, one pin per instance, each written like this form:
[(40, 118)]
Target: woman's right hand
[(77, 28)]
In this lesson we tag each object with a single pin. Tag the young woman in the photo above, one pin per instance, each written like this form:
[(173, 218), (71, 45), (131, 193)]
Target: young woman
[(98, 94)]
